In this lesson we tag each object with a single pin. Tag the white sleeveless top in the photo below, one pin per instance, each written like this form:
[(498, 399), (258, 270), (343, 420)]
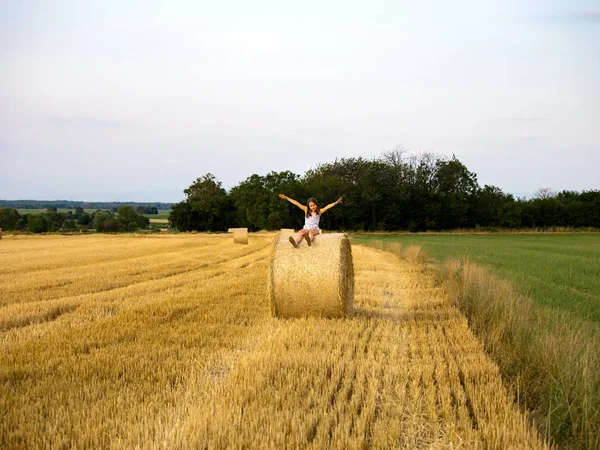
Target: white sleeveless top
[(312, 221)]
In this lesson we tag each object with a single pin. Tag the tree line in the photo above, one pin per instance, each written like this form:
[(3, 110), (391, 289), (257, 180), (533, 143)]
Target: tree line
[(124, 218), (70, 204), (394, 192)]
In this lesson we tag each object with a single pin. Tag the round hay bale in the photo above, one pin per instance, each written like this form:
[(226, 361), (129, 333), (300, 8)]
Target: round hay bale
[(240, 235), (288, 231), (312, 281)]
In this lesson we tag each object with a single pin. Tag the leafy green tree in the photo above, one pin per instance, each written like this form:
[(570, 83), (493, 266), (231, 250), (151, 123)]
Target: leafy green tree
[(55, 220), (183, 218), (127, 218), (454, 185), (69, 225), (111, 226), (104, 221), (397, 191), (419, 176), (486, 206), (37, 223), (342, 178), (510, 215), (9, 218), (251, 199), (258, 206), (142, 222), (83, 219), (592, 202), (210, 201)]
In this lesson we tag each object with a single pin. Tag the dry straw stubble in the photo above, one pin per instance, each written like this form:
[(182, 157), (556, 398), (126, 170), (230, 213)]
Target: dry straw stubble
[(312, 281)]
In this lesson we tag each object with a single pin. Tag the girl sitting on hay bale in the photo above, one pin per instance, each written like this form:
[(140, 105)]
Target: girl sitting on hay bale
[(311, 220)]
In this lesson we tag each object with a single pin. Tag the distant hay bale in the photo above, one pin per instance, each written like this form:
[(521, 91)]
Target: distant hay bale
[(288, 231), (240, 235), (312, 281), (230, 230)]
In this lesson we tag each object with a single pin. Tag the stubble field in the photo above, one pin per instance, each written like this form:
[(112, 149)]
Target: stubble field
[(167, 342)]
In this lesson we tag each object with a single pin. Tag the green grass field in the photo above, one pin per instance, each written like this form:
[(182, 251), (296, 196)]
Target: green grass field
[(162, 214), (556, 270)]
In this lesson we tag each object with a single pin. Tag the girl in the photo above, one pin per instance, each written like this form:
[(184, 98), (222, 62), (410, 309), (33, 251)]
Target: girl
[(311, 221)]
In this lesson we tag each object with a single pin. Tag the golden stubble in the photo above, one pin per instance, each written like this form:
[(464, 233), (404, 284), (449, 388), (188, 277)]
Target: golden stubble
[(187, 355)]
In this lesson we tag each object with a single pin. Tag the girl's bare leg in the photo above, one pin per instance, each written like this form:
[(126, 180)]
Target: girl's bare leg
[(311, 235), (299, 235)]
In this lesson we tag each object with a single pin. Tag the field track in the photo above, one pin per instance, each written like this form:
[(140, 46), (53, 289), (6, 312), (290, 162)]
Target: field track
[(167, 342)]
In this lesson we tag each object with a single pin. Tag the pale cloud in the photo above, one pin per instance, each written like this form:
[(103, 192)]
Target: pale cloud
[(526, 119), (85, 122), (588, 16)]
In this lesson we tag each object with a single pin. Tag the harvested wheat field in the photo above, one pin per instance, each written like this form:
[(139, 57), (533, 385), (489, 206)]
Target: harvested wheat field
[(168, 342)]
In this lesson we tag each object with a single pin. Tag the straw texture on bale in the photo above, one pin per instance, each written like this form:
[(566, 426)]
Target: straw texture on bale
[(287, 231), (312, 281), (240, 235)]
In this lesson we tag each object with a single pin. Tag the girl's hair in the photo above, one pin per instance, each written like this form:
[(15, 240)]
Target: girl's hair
[(313, 200)]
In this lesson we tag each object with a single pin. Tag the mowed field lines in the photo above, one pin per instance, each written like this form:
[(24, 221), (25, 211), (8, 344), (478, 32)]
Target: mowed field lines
[(167, 342)]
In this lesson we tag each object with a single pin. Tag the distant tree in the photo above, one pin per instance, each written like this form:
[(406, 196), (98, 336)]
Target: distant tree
[(210, 201), (258, 206), (69, 225), (111, 225), (395, 157), (183, 218), (104, 221), (487, 206), (347, 178), (592, 202), (544, 193), (510, 215), (52, 209), (37, 223), (142, 221), (83, 219), (55, 220), (420, 209), (22, 223), (454, 185), (9, 218), (127, 218), (79, 210)]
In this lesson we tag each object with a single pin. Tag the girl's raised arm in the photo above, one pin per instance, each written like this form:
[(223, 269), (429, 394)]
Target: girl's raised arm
[(291, 200), (331, 205)]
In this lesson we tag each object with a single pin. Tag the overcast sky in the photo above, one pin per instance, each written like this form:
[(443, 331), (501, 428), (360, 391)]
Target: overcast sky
[(134, 100)]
